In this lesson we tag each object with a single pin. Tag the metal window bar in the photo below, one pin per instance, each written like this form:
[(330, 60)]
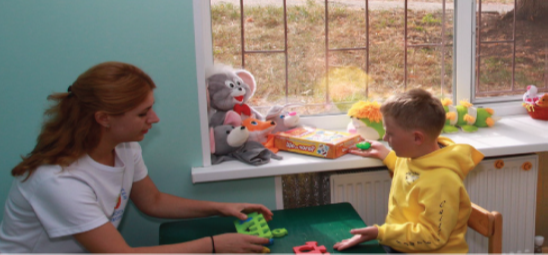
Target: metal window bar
[(365, 48), (441, 45), (478, 54), (284, 51), (328, 50), (512, 41)]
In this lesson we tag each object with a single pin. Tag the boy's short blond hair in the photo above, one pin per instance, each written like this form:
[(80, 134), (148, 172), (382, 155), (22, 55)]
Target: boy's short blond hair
[(416, 109)]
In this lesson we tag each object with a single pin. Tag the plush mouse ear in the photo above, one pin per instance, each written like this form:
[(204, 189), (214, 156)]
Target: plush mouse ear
[(248, 78), (211, 141), (232, 118), (275, 110)]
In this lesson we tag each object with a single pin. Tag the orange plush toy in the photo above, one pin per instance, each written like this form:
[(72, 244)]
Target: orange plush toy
[(260, 131), (539, 109), (543, 101)]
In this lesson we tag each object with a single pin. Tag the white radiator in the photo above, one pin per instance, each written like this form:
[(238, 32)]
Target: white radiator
[(508, 190), (366, 191)]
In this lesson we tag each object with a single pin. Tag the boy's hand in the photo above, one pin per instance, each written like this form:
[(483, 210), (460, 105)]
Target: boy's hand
[(377, 150), (360, 235)]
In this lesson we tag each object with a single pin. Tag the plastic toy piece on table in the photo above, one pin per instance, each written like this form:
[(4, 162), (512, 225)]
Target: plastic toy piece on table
[(363, 145), (256, 226), (265, 250), (310, 248), (279, 232)]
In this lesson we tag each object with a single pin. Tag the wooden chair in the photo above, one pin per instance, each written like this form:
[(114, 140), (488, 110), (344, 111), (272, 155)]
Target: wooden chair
[(488, 224)]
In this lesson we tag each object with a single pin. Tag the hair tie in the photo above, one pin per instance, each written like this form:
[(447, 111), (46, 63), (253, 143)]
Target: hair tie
[(69, 91), (212, 245)]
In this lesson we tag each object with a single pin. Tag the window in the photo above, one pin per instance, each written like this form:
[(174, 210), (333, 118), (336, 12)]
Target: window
[(326, 55), (511, 48), (433, 48)]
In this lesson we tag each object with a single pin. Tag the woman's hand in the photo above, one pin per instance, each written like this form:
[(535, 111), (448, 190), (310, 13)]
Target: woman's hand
[(360, 235), (239, 243), (377, 150), (239, 210)]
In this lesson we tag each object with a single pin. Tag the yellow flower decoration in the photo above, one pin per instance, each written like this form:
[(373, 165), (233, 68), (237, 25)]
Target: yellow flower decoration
[(465, 104), (366, 110), (446, 102), (490, 122), (468, 118), (451, 115)]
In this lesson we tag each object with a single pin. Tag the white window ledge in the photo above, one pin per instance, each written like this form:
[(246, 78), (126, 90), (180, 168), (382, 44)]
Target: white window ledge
[(515, 134)]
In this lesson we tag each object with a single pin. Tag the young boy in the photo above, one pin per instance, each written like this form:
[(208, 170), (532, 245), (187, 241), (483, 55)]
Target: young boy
[(429, 207)]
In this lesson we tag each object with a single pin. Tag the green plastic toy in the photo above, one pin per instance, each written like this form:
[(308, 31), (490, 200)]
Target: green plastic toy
[(279, 232), (254, 225), (363, 145)]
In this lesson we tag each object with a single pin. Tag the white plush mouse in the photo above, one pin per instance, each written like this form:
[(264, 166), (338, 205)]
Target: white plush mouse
[(530, 96)]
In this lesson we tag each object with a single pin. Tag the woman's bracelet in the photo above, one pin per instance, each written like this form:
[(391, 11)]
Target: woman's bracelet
[(212, 244)]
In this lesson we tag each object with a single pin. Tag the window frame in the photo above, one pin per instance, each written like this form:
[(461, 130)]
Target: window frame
[(464, 66)]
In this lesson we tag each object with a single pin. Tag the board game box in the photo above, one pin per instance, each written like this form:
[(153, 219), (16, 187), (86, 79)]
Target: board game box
[(316, 142)]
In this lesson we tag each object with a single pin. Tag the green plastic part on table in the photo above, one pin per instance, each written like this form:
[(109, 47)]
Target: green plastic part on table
[(254, 225), (363, 145), (279, 232)]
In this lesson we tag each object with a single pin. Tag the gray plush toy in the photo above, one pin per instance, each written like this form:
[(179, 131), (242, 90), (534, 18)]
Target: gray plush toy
[(285, 120), (254, 153), (225, 139), (229, 90), (229, 143)]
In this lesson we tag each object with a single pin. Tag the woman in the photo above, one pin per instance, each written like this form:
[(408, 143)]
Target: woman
[(70, 192)]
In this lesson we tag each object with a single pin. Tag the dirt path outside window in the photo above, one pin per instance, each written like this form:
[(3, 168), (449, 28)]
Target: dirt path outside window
[(374, 5)]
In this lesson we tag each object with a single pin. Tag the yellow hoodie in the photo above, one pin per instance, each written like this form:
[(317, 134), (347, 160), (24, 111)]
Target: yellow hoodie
[(429, 207)]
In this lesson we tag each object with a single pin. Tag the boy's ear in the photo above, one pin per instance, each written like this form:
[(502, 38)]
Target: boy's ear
[(102, 118), (419, 137)]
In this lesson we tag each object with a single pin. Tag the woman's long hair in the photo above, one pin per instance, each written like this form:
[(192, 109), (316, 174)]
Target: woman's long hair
[(70, 129)]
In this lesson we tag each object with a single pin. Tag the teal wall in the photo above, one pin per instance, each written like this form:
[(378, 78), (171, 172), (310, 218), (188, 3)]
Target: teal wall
[(45, 45)]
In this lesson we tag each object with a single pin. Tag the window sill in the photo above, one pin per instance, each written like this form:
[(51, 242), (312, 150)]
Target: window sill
[(516, 134)]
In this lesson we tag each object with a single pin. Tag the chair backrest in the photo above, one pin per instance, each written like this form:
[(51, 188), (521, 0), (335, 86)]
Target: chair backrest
[(488, 224)]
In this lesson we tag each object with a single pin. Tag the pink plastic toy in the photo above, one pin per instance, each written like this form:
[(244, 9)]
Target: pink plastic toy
[(310, 248)]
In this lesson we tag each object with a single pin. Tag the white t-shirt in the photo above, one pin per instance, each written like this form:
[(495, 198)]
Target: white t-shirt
[(43, 212)]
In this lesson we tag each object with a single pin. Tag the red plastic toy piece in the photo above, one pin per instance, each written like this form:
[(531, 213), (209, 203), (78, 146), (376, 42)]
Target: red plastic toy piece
[(310, 248)]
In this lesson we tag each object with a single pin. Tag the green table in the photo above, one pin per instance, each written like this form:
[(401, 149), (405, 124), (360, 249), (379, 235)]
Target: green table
[(326, 224)]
